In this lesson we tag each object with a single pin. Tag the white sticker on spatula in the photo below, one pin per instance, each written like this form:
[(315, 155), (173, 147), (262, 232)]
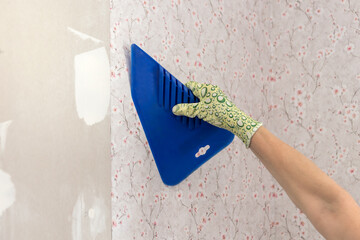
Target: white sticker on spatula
[(202, 151)]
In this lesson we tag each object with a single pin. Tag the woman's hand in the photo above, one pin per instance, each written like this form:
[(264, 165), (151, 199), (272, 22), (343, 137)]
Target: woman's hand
[(215, 108)]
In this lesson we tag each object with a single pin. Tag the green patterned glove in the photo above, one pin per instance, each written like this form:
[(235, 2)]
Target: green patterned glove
[(215, 108)]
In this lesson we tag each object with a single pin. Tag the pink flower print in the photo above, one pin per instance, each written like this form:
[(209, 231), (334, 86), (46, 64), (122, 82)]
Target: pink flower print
[(321, 130), (179, 195), (301, 27), (271, 78), (336, 91), (320, 54), (349, 48), (177, 60), (352, 170), (319, 11)]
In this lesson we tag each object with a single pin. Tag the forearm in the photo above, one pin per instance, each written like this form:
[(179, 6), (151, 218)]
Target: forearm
[(329, 207), (311, 190), (298, 175)]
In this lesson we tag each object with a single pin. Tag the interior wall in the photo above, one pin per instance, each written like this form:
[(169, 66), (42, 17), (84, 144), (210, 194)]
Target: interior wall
[(54, 120), (291, 64)]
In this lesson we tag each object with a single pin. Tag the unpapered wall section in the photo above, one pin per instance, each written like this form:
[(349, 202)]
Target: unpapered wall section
[(292, 65), (54, 121)]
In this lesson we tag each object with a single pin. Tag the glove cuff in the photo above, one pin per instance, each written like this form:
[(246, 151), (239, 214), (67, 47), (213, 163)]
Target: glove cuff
[(251, 133), (246, 128)]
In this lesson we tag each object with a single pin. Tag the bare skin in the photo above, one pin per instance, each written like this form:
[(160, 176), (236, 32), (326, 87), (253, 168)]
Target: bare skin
[(331, 209)]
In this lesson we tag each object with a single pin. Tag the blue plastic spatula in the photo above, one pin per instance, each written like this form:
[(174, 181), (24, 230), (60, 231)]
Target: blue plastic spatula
[(179, 145)]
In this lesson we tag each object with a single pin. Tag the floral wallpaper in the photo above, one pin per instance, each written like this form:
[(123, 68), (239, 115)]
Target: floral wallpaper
[(293, 65)]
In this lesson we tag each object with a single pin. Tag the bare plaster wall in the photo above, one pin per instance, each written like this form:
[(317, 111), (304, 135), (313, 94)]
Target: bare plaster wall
[(54, 159)]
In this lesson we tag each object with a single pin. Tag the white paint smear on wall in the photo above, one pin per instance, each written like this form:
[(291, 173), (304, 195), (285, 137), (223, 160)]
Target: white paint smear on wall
[(89, 223), (97, 217), (77, 218), (7, 191), (92, 85), (83, 36), (3, 131)]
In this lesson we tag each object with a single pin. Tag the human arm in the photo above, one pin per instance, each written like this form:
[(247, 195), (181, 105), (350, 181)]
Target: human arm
[(331, 209)]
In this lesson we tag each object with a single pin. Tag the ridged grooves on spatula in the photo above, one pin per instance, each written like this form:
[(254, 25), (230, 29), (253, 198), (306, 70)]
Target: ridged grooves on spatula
[(172, 92)]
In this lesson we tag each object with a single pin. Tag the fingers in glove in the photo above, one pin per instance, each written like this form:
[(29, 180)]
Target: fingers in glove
[(195, 87), (186, 109)]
